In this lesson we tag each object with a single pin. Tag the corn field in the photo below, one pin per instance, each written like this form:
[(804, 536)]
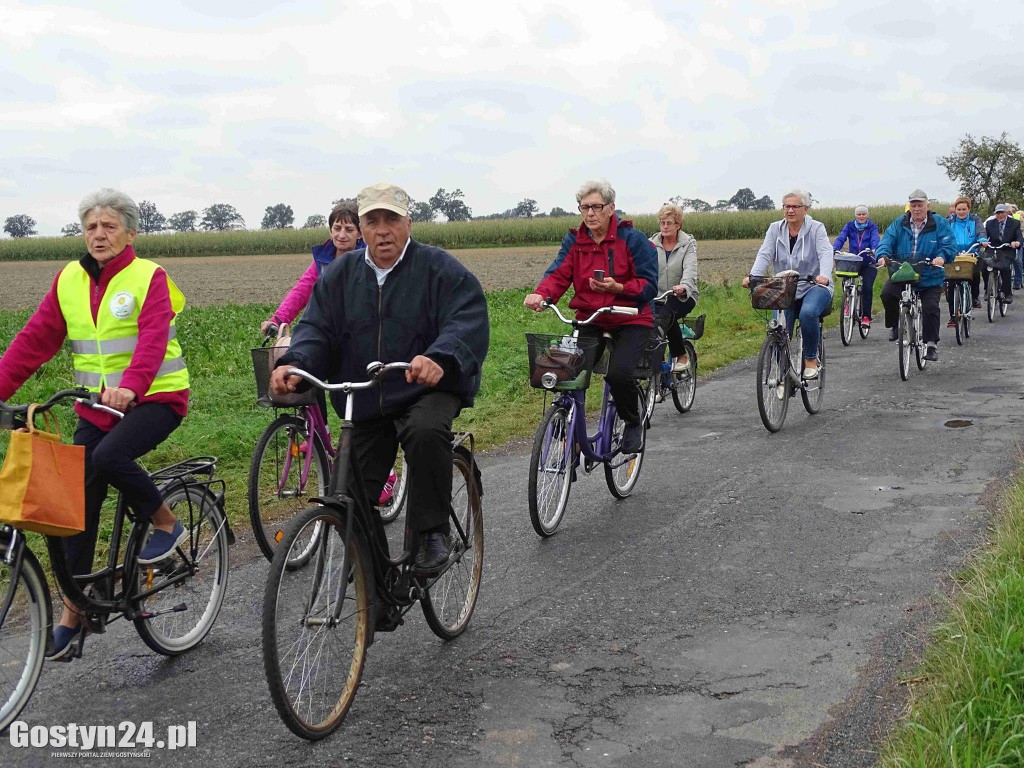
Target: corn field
[(465, 234)]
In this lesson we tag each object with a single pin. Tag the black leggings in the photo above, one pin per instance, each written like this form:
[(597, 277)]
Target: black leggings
[(668, 315), (110, 460), (629, 342)]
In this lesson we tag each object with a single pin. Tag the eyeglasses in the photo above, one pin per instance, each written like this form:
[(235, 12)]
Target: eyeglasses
[(595, 208), (793, 207)]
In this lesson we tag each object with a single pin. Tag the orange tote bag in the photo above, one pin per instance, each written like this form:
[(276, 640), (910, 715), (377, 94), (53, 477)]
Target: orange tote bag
[(42, 482)]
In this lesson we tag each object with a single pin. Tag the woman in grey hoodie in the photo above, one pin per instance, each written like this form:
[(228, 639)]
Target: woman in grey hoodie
[(677, 271)]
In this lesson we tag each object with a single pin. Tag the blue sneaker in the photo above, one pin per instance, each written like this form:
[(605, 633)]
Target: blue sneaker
[(162, 544), (64, 641)]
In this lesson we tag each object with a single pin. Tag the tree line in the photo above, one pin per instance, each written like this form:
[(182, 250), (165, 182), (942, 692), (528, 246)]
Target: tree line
[(988, 170)]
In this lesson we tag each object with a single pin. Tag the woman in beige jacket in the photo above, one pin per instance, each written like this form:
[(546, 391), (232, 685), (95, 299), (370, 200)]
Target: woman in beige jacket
[(677, 271)]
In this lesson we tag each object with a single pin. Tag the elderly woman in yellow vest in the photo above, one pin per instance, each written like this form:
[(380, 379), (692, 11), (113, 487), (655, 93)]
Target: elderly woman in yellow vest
[(117, 311)]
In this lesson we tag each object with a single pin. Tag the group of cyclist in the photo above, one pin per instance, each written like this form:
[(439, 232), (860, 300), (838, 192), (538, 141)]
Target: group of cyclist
[(373, 293)]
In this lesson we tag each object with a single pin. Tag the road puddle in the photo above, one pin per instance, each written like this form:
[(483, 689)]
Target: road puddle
[(958, 423)]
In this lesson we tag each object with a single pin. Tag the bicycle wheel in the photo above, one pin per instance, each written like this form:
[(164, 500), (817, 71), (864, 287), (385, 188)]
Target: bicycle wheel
[(812, 391), (622, 471), (773, 385), (968, 305), (991, 295), (317, 624), (449, 602), (684, 384), (958, 313), (277, 489), (23, 635), (916, 324), (177, 617), (550, 470), (846, 319), (1002, 308), (903, 344), (390, 511), (858, 310)]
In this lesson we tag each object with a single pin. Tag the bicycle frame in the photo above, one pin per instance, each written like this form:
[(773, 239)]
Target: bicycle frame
[(316, 428)]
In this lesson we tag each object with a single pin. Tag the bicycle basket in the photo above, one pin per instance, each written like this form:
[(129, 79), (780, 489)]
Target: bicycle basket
[(263, 361), (564, 357), (961, 268), (849, 266), (999, 259), (904, 271), (692, 328), (776, 292)]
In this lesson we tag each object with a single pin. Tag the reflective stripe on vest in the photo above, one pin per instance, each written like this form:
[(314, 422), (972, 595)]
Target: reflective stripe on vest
[(101, 351)]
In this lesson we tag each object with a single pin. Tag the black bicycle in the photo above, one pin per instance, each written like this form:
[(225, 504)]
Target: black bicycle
[(320, 617), (173, 603), (995, 292)]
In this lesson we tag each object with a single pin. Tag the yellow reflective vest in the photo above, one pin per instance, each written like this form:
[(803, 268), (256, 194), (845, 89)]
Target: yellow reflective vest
[(101, 351)]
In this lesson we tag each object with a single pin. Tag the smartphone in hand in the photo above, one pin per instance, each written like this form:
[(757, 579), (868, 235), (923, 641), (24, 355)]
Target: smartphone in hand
[(599, 275)]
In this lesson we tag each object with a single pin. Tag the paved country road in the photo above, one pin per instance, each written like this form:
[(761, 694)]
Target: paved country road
[(755, 603)]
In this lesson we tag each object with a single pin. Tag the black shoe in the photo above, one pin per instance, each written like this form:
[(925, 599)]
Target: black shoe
[(1007, 299), (435, 548), (976, 304), (893, 334), (632, 439), (931, 354)]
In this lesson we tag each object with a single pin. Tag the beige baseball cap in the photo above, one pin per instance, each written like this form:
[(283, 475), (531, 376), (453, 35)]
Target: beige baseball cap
[(918, 196), (386, 196)]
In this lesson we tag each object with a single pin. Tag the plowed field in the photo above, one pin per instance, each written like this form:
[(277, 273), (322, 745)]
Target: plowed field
[(216, 280)]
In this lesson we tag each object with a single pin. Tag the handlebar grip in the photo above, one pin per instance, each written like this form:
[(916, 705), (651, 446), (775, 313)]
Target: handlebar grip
[(624, 311)]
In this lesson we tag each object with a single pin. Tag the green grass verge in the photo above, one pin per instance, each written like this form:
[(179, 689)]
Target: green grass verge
[(464, 234), (967, 700)]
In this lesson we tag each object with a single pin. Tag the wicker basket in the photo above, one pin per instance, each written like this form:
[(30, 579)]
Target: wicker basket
[(264, 360), (849, 266), (773, 292), (563, 356), (962, 268)]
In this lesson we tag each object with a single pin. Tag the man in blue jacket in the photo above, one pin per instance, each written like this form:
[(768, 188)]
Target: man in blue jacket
[(916, 235), (397, 300)]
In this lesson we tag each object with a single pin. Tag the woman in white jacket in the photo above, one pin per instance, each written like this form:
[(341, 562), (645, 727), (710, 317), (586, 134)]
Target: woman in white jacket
[(801, 244), (677, 271)]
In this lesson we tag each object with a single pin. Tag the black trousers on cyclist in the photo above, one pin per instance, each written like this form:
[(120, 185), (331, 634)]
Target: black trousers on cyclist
[(110, 460), (891, 293), (667, 313), (628, 344), (424, 430)]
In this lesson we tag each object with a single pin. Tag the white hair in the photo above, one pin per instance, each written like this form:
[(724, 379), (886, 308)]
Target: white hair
[(601, 186), (802, 195), (116, 201)]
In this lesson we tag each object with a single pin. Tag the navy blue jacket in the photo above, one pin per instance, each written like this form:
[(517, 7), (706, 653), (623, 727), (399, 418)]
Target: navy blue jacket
[(430, 304)]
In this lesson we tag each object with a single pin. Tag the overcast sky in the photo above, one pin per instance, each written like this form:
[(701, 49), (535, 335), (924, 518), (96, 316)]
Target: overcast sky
[(255, 103)]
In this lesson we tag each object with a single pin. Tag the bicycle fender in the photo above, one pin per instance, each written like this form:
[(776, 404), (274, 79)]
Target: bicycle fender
[(463, 451), (29, 556)]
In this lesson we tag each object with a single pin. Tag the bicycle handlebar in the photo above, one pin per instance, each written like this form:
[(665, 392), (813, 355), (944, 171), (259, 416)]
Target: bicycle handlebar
[(374, 370), (994, 247), (550, 304), (9, 413)]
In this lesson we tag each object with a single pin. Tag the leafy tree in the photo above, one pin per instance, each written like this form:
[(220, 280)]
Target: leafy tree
[(21, 225), (763, 204), (422, 212), (150, 219), (72, 229), (221, 216), (451, 205), (525, 209), (316, 221), (694, 204), (556, 211), (184, 221), (343, 200), (278, 216), (988, 170)]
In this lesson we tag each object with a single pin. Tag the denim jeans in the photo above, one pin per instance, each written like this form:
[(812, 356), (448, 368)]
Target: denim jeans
[(811, 307), (1018, 267)]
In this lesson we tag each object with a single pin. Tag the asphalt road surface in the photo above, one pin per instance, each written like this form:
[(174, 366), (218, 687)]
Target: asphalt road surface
[(756, 602)]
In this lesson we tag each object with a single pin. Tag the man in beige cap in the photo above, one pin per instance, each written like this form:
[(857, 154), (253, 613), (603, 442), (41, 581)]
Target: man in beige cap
[(398, 300)]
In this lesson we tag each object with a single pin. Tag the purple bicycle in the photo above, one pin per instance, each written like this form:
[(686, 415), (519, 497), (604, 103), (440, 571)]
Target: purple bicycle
[(557, 363)]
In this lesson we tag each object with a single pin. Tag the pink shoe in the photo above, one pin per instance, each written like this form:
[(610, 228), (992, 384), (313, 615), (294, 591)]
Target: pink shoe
[(389, 489)]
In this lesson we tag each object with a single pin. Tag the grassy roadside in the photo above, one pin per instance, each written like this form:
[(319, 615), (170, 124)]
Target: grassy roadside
[(967, 703)]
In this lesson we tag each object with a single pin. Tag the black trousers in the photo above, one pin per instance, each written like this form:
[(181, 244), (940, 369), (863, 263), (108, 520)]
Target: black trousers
[(110, 460), (424, 430), (628, 344), (668, 313), (891, 293)]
